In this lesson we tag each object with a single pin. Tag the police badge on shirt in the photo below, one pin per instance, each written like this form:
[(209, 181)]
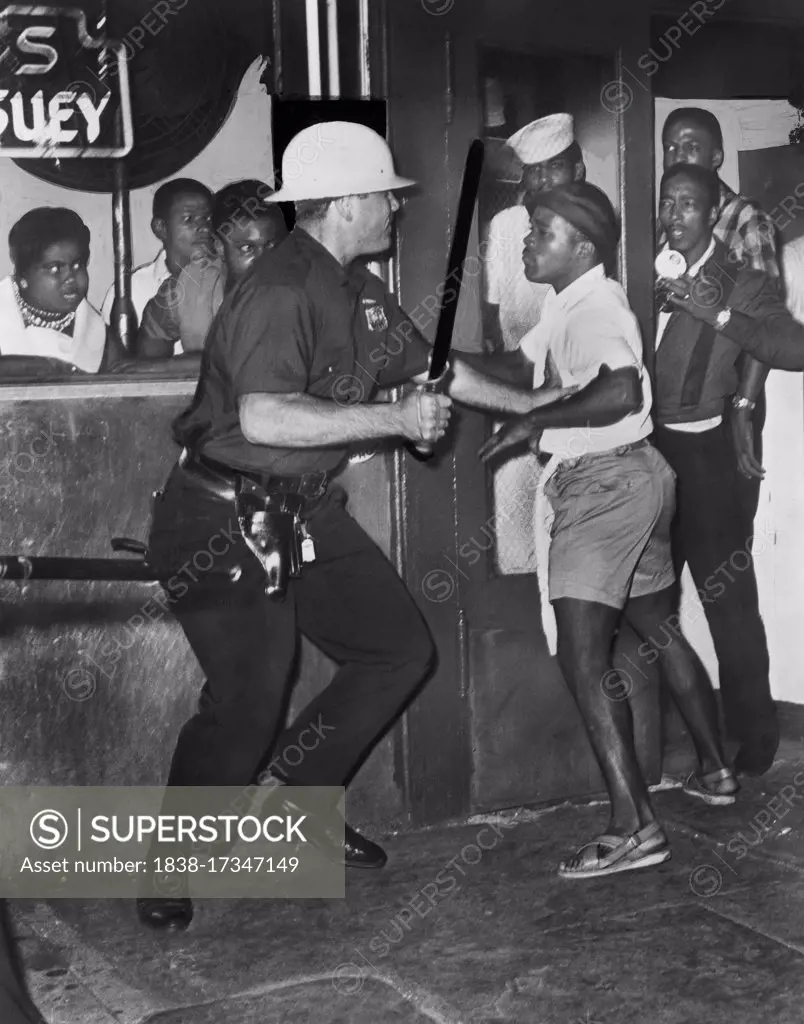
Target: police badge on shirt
[(376, 319)]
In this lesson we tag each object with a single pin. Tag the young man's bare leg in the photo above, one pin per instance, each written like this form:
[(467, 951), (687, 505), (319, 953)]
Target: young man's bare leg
[(655, 619), (585, 635)]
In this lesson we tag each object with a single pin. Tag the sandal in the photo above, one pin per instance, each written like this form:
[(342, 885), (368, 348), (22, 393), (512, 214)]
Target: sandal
[(717, 788), (642, 849)]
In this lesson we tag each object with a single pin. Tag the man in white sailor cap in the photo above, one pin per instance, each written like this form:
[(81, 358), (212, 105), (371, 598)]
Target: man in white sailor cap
[(550, 157)]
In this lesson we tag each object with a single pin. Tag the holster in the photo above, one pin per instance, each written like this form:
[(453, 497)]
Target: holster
[(272, 527)]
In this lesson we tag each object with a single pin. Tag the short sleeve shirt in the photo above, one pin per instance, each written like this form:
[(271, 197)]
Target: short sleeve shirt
[(183, 309), (585, 326), (299, 323)]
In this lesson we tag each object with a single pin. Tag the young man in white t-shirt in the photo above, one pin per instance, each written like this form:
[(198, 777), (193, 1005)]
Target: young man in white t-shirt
[(550, 156), (612, 497)]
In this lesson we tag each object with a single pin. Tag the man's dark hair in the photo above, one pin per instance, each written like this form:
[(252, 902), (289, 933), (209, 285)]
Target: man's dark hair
[(698, 118), (242, 200), (311, 210), (703, 176), (166, 195), (38, 229)]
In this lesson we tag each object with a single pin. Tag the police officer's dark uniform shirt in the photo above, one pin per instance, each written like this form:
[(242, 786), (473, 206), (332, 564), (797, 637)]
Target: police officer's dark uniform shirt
[(300, 322)]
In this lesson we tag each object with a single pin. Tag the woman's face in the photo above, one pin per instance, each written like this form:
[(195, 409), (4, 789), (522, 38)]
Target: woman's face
[(58, 281)]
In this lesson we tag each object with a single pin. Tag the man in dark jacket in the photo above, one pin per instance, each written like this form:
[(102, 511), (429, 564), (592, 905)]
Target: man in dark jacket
[(761, 324), (697, 375)]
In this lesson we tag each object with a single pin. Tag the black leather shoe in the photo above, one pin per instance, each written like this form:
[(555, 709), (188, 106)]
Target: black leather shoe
[(172, 913), (755, 756), (355, 851), (359, 852)]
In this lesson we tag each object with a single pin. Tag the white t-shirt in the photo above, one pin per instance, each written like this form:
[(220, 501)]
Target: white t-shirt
[(585, 325), (519, 299), (145, 282)]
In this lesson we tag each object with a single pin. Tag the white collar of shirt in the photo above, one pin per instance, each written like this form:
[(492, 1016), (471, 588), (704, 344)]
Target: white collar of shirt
[(160, 267), (575, 292), (698, 265), (145, 282)]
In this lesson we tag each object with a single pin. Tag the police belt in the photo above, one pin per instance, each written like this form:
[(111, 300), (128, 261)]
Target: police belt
[(225, 481), (271, 513)]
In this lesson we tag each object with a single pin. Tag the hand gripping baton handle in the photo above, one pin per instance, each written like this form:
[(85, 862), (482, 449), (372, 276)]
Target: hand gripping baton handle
[(430, 387)]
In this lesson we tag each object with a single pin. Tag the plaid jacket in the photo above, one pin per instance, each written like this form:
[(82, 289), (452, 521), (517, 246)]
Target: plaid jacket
[(748, 233)]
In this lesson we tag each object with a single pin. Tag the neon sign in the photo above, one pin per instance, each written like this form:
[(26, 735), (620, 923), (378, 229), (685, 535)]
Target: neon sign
[(63, 92)]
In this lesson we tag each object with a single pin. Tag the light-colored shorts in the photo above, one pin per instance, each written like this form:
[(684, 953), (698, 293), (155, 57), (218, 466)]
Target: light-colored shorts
[(611, 527)]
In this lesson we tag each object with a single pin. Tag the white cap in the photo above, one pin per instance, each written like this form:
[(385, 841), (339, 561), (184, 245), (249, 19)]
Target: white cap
[(336, 158), (543, 139)]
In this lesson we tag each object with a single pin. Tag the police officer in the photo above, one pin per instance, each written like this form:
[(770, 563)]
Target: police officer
[(295, 356)]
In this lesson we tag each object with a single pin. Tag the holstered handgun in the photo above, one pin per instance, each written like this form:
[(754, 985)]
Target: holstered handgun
[(271, 525)]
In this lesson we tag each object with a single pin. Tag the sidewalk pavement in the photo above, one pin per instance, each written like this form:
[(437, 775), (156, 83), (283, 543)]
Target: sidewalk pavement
[(470, 924)]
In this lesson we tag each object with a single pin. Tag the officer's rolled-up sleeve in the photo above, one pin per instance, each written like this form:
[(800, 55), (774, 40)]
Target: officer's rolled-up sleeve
[(271, 342)]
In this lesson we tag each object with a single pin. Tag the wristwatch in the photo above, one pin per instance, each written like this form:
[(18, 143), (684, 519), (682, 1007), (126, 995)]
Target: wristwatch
[(722, 319), (738, 402)]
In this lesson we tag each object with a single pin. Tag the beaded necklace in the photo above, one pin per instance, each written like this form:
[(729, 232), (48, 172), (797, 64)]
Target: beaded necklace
[(33, 317)]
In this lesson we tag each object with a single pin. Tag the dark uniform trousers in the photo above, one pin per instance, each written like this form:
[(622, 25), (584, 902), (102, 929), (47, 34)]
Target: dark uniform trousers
[(712, 533), (350, 602)]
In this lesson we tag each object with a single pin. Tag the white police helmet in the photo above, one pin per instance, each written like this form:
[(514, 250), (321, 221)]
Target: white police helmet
[(336, 158)]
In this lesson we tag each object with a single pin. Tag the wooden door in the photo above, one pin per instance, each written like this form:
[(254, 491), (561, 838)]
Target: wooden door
[(497, 727)]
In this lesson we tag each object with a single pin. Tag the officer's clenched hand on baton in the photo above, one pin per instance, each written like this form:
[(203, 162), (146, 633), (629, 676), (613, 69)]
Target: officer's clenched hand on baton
[(425, 416)]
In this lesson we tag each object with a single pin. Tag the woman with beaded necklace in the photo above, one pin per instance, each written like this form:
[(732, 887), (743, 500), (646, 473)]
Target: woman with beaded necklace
[(47, 326)]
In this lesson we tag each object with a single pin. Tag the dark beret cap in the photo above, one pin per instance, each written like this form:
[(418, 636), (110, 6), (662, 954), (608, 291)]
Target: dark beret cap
[(587, 208)]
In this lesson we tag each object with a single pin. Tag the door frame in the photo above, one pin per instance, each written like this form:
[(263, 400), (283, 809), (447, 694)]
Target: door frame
[(434, 110)]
